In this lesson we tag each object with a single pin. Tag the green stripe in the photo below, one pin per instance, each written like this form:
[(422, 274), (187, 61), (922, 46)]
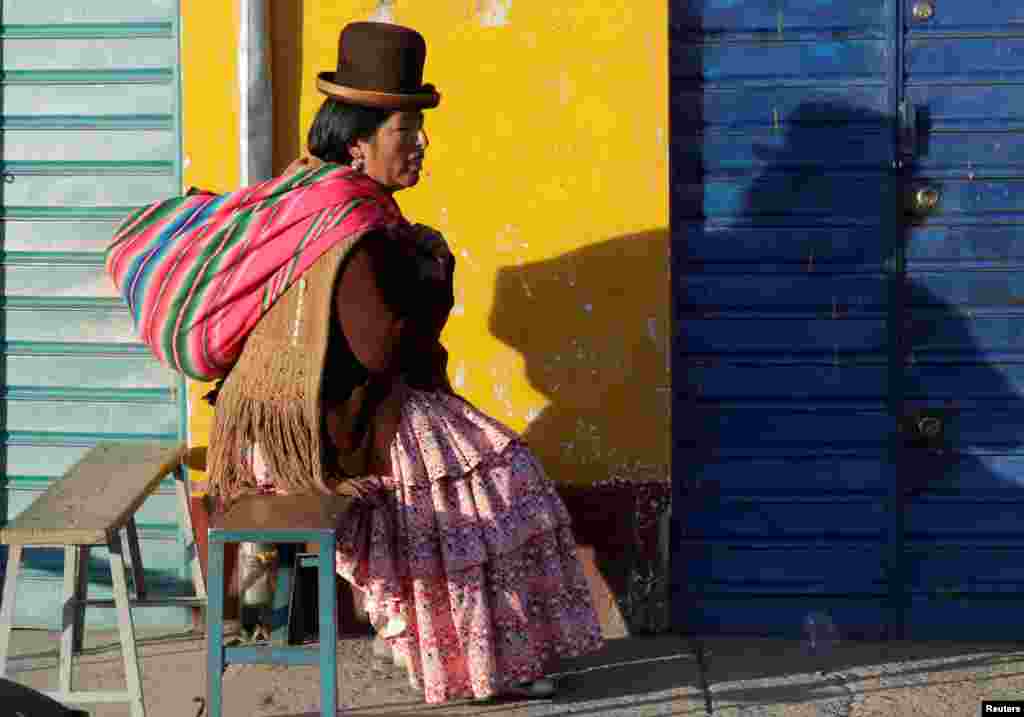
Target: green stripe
[(23, 213), (200, 275), (36, 483), (297, 253), (52, 258), (74, 31), (55, 349), (65, 123), (157, 76), (88, 395), (62, 303), (45, 439), (62, 169), (162, 211), (126, 222)]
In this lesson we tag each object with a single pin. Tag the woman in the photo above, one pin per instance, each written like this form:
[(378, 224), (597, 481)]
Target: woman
[(460, 542)]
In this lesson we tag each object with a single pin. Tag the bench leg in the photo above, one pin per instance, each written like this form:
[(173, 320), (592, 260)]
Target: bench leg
[(125, 626), (7, 606), (81, 595), (328, 630), (185, 511), (76, 580), (135, 553), (214, 627)]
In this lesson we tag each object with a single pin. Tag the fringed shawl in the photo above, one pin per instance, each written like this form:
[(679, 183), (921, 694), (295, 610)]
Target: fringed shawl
[(273, 394)]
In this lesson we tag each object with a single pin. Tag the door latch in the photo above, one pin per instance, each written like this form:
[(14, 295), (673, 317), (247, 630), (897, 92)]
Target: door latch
[(926, 428), (908, 134)]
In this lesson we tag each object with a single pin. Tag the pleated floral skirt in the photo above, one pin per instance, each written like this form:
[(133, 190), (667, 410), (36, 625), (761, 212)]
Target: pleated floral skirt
[(470, 552)]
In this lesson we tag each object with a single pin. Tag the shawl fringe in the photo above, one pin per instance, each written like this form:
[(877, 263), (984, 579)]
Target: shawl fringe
[(269, 407)]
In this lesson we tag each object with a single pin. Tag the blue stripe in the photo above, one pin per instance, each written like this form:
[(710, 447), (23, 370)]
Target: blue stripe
[(144, 264)]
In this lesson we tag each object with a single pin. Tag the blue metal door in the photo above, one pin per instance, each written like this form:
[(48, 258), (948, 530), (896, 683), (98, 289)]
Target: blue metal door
[(961, 454), (90, 131), (843, 188)]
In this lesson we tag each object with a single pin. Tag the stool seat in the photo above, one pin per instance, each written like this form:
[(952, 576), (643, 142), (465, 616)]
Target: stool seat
[(291, 521), (282, 513)]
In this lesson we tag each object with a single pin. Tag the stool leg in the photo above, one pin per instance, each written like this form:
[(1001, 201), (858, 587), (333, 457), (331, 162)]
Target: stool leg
[(81, 595), (70, 633), (328, 629), (7, 606), (125, 626), (138, 577), (296, 618), (279, 611), (214, 626)]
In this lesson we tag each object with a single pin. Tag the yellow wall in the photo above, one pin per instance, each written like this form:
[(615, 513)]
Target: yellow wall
[(210, 95), (547, 172)]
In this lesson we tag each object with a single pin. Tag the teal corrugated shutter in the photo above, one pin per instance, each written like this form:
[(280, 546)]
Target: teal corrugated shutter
[(90, 131)]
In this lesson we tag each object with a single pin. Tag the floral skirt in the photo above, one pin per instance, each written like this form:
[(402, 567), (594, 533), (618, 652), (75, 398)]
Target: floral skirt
[(470, 550)]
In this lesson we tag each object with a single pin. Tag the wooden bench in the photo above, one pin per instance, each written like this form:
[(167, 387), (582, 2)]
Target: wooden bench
[(92, 505)]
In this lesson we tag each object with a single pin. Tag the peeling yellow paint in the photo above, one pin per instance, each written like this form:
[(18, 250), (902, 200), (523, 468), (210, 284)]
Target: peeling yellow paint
[(494, 13)]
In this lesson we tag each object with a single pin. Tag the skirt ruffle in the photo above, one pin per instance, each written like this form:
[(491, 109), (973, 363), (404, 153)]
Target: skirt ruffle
[(472, 549)]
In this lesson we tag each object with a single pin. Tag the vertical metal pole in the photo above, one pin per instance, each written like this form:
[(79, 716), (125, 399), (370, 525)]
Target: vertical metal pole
[(255, 134), (255, 94)]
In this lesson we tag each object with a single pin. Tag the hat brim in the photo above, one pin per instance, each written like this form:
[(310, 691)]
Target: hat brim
[(378, 100)]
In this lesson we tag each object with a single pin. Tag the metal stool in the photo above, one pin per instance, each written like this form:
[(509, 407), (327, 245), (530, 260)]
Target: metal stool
[(287, 520)]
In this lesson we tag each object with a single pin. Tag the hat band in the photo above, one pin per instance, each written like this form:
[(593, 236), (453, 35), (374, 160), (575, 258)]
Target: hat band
[(379, 100)]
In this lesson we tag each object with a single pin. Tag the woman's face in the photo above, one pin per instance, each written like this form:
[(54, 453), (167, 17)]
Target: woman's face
[(393, 155)]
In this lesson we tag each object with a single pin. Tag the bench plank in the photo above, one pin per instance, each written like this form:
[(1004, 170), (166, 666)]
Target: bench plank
[(98, 494)]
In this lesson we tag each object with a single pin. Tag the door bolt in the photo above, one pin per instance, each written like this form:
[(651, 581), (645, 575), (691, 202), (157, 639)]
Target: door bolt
[(924, 10)]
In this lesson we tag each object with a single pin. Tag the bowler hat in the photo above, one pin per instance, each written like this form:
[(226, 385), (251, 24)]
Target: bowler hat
[(380, 65)]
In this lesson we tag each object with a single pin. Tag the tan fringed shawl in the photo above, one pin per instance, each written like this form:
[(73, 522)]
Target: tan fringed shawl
[(273, 394)]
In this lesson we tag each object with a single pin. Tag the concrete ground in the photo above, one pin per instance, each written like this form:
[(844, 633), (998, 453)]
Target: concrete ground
[(662, 675)]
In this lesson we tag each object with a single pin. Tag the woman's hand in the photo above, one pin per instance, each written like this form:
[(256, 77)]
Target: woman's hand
[(433, 242), (361, 488)]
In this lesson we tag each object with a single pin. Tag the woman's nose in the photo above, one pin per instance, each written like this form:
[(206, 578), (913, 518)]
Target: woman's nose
[(422, 140)]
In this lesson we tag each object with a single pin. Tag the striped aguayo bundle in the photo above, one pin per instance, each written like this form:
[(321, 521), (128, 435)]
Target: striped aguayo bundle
[(198, 271)]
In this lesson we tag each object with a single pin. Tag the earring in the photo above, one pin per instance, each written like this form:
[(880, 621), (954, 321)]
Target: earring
[(357, 164)]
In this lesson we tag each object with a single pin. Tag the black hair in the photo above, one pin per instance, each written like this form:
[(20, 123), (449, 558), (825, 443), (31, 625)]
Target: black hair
[(338, 123)]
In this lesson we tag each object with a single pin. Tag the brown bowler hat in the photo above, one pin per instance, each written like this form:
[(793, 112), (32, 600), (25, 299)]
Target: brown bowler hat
[(380, 65)]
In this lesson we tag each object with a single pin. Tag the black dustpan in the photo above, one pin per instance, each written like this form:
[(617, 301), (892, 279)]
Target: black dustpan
[(20, 701)]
